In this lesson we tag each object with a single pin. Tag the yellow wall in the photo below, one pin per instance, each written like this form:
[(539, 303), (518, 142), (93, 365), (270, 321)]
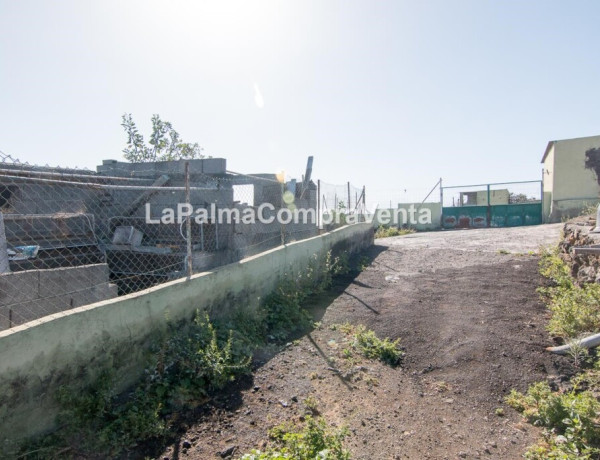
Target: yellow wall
[(572, 186)]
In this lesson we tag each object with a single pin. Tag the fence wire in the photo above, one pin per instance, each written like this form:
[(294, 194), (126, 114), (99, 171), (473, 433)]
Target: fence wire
[(71, 237), (499, 193)]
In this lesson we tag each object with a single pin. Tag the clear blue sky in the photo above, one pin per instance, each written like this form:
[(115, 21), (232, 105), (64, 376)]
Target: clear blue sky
[(392, 95)]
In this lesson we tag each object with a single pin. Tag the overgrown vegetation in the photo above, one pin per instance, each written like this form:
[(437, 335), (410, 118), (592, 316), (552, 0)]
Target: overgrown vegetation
[(571, 420), (575, 309), (190, 364), (314, 441), (194, 361), (571, 417), (366, 342), (386, 232)]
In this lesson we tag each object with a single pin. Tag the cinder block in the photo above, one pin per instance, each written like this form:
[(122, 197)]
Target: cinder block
[(95, 294), (19, 287), (29, 311), (214, 165), (67, 280), (59, 281), (4, 318)]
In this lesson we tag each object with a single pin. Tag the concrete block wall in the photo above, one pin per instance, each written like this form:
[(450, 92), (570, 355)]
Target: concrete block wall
[(29, 295), (36, 358)]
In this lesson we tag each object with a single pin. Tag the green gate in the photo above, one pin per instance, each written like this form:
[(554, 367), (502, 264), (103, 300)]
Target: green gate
[(511, 204)]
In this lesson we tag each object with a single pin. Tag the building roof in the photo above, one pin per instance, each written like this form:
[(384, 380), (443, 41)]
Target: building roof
[(551, 144)]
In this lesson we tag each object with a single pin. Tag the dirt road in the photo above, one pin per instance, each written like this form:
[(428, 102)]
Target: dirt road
[(472, 326)]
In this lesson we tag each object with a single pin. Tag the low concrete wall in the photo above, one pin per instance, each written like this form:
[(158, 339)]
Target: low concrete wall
[(35, 359)]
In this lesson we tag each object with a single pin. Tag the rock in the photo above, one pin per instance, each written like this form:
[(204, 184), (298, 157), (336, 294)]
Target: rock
[(186, 444), (228, 452)]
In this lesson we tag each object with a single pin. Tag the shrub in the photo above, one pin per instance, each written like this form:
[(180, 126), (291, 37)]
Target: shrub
[(386, 232), (314, 441), (575, 309), (189, 365), (373, 347), (571, 420)]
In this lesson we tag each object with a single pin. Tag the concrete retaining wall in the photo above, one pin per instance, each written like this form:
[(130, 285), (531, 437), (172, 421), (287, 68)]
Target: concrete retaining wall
[(69, 347)]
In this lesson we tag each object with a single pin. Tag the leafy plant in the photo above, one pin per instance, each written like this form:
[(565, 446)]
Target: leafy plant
[(192, 363), (575, 309), (195, 360), (165, 142), (571, 420), (314, 441), (386, 232), (373, 347)]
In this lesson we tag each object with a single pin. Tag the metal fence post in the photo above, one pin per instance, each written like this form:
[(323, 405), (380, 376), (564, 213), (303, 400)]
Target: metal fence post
[(188, 222), (348, 207), (319, 204), (441, 204), (282, 203), (489, 207)]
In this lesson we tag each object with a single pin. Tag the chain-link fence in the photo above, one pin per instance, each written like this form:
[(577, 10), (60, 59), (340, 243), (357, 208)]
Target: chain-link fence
[(499, 193), (340, 204), (72, 237)]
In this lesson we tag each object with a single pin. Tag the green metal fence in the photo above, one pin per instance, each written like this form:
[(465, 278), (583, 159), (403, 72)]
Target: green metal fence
[(509, 204)]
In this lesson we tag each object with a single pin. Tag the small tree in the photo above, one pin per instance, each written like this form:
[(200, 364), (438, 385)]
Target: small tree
[(165, 143)]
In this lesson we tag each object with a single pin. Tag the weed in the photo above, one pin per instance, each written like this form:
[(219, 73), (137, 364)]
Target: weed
[(189, 365), (570, 418), (589, 208), (369, 345), (579, 353), (311, 405), (441, 386), (371, 381), (314, 441), (575, 309), (373, 347), (193, 362), (386, 232), (499, 412), (503, 251), (363, 263)]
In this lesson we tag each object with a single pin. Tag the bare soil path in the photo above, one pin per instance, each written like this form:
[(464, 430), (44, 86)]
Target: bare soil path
[(472, 326)]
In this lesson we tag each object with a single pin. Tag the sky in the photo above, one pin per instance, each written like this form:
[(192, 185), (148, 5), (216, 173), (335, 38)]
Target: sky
[(392, 95)]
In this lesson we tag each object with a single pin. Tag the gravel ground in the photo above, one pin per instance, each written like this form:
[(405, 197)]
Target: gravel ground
[(471, 324)]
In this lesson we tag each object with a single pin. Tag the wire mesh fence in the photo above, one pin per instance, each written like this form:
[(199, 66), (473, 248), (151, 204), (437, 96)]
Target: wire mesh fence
[(389, 198), (499, 193), (72, 237)]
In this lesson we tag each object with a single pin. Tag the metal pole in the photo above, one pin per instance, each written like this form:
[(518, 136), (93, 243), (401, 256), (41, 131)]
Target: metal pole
[(348, 211), (202, 236), (319, 224), (217, 228), (489, 207), (364, 200), (281, 204), (188, 222), (441, 204), (543, 217)]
